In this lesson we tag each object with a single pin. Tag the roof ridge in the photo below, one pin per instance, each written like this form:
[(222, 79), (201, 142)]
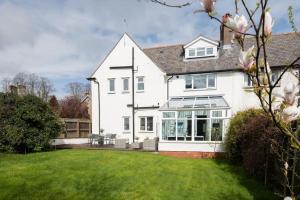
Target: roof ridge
[(163, 46)]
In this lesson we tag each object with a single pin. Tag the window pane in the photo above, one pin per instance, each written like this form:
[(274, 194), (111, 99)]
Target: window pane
[(209, 51), (188, 82), (126, 123), (111, 85), (191, 52), (140, 84), (211, 80), (216, 129), (184, 129), (274, 76), (202, 114), (168, 114), (149, 123), (217, 113), (247, 80), (142, 124), (200, 82), (125, 84), (184, 114), (200, 51), (169, 129)]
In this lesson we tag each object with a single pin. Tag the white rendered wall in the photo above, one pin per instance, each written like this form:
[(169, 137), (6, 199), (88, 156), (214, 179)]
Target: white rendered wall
[(114, 106)]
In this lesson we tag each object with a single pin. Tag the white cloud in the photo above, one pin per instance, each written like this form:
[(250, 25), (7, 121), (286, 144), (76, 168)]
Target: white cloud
[(65, 39)]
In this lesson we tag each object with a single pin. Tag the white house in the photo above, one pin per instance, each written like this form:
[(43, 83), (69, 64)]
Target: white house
[(183, 94)]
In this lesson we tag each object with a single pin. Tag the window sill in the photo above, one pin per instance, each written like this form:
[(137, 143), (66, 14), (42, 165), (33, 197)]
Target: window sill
[(146, 131), (111, 93), (126, 132), (192, 90), (125, 92), (139, 91)]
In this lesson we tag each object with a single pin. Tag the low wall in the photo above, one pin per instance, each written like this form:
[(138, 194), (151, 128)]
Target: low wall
[(193, 154), (71, 141), (191, 146)]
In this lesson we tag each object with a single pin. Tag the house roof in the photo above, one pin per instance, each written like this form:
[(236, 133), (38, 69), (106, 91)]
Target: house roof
[(282, 48)]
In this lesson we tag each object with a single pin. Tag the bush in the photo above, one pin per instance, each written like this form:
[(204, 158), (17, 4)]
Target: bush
[(255, 143), (26, 123), (236, 127)]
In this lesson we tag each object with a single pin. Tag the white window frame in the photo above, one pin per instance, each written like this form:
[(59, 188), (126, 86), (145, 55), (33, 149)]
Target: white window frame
[(137, 83), (123, 89), (207, 86), (249, 84), (146, 124), (111, 91), (197, 49), (124, 130)]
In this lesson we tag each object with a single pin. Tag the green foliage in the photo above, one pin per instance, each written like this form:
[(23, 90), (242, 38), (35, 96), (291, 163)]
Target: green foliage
[(26, 123), (232, 142)]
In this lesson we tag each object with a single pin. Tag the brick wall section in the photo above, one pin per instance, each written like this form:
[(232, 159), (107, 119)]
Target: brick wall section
[(191, 154)]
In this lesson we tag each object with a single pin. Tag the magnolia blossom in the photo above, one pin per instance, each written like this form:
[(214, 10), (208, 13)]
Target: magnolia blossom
[(290, 113), (290, 91), (208, 5), (239, 24), (246, 58), (268, 24)]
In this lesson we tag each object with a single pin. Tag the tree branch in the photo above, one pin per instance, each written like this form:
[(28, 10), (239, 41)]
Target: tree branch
[(170, 5)]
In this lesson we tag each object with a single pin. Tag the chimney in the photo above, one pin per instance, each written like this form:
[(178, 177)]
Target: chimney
[(226, 34), (21, 90)]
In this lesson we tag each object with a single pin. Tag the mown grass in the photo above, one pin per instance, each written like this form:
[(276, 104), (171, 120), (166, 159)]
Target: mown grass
[(96, 174)]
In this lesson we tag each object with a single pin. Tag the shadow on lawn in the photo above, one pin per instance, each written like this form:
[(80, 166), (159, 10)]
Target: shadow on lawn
[(255, 188)]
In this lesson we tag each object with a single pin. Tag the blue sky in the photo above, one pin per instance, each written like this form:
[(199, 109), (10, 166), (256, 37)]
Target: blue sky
[(65, 40)]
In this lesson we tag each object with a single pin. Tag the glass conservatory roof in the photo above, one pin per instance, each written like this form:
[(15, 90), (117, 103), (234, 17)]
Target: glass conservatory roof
[(195, 102)]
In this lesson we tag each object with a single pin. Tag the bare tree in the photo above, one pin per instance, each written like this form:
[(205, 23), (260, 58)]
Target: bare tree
[(5, 83), (44, 88), (20, 79), (77, 89), (32, 83)]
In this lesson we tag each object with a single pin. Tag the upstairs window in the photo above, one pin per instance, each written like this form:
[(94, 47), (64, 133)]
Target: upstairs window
[(192, 53), (126, 123), (200, 52), (203, 81), (111, 87), (140, 84), (274, 77), (125, 84)]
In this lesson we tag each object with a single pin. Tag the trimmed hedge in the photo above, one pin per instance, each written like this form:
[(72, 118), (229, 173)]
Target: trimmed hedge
[(26, 124)]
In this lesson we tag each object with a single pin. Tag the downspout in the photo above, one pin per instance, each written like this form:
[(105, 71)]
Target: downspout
[(98, 84), (133, 100), (168, 86)]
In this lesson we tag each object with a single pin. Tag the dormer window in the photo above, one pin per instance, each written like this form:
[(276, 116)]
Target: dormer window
[(201, 47)]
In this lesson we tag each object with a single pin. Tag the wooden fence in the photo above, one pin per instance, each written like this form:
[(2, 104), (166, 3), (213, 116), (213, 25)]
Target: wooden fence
[(76, 128)]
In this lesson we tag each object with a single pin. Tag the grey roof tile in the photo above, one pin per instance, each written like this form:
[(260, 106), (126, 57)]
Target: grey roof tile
[(282, 48)]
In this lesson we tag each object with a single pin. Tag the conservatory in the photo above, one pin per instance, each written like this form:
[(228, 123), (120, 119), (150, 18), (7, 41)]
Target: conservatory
[(194, 119)]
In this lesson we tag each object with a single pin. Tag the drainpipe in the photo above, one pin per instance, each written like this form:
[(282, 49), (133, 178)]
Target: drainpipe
[(168, 86), (133, 100), (97, 82)]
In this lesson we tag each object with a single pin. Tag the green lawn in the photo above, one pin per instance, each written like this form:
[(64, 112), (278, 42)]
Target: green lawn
[(96, 174)]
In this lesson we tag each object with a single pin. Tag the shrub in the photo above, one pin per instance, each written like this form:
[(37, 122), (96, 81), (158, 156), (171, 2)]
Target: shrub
[(255, 143), (26, 123), (232, 140)]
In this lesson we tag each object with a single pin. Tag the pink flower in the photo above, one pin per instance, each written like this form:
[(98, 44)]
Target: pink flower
[(246, 58), (268, 24), (290, 91), (208, 5), (238, 24), (290, 113)]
